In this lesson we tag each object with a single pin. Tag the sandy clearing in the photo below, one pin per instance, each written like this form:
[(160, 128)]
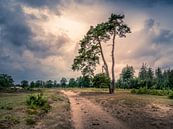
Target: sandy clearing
[(87, 115)]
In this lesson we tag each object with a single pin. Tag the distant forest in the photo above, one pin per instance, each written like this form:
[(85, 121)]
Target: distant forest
[(147, 77)]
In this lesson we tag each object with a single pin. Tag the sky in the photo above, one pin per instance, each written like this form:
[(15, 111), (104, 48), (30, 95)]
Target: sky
[(39, 38)]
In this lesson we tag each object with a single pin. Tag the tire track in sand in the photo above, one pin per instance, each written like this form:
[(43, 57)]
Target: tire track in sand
[(87, 115)]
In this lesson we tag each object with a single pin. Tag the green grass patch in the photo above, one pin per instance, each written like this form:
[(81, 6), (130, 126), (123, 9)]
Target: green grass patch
[(171, 95), (153, 92)]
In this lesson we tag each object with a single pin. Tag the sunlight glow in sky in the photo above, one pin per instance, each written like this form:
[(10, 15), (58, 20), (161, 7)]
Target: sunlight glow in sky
[(40, 38)]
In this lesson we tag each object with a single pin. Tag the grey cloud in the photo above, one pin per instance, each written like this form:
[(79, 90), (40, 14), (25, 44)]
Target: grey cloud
[(41, 3), (140, 3), (14, 29), (52, 5), (49, 46), (157, 45), (20, 70), (16, 37), (164, 37), (149, 23), (41, 17)]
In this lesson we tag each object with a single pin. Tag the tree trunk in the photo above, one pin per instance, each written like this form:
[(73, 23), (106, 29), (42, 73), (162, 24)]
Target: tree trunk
[(104, 61), (111, 91), (105, 66)]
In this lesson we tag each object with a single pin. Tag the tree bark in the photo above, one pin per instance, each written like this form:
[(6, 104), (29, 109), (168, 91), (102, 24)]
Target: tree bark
[(111, 91), (104, 61)]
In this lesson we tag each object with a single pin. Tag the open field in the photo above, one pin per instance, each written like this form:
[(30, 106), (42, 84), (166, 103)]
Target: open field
[(138, 111), (14, 112), (88, 108)]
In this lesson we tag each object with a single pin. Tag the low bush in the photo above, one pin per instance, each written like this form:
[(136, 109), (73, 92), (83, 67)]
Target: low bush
[(37, 101), (133, 91), (140, 91), (153, 92), (37, 107), (171, 95)]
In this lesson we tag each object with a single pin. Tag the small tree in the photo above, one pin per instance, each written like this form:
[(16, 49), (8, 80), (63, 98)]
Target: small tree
[(6, 81), (72, 83), (166, 79), (101, 80), (24, 83), (63, 82), (32, 84), (146, 76), (150, 78), (84, 81), (143, 75), (39, 83), (170, 78), (49, 83), (159, 77), (55, 83), (127, 76)]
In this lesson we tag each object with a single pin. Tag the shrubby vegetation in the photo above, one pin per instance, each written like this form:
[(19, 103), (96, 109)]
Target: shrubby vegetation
[(101, 80), (38, 101), (145, 90), (148, 81), (37, 106), (171, 95)]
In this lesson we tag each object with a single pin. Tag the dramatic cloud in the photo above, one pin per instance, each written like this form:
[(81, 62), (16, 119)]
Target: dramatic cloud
[(38, 38), (41, 3)]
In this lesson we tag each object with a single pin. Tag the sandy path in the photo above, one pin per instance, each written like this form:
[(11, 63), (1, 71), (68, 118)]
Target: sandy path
[(86, 115)]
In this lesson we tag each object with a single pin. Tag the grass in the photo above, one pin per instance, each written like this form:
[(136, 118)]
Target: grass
[(168, 93), (59, 115), (14, 112), (12, 106), (88, 89)]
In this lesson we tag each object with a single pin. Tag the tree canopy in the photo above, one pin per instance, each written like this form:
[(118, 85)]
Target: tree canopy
[(6, 81)]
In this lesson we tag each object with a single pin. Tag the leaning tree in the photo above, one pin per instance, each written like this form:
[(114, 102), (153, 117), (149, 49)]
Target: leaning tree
[(91, 48)]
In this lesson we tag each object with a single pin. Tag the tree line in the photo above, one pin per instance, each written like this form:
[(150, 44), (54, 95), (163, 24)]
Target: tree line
[(147, 77), (100, 80)]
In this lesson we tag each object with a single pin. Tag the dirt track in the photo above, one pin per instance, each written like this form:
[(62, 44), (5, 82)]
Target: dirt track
[(87, 115)]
